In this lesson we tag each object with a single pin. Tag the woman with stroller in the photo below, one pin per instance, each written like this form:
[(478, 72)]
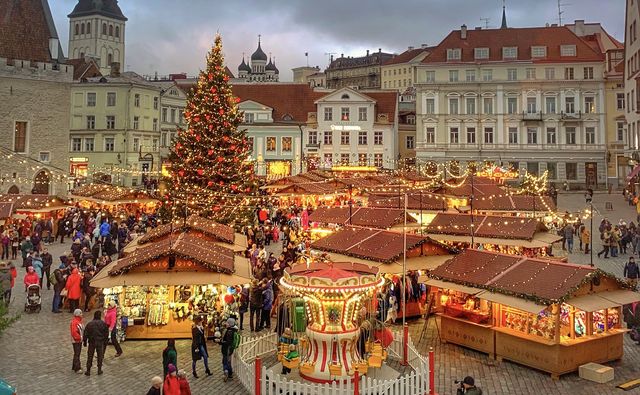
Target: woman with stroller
[(30, 278)]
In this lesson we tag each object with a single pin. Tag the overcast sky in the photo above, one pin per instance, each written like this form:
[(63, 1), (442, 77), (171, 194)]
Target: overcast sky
[(171, 36)]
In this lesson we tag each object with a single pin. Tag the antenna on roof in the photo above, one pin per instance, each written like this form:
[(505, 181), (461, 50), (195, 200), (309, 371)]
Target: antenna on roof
[(330, 55), (561, 11), (486, 22)]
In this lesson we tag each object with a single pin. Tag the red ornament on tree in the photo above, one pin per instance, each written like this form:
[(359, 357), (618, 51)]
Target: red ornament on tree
[(200, 172), (210, 152), (220, 159), (213, 89), (198, 138), (181, 173), (210, 184), (234, 187)]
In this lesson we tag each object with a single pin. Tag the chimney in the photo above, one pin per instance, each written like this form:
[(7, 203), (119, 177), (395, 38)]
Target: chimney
[(379, 50), (410, 48), (342, 55), (463, 32), (53, 48), (423, 46), (115, 69), (579, 27), (367, 52)]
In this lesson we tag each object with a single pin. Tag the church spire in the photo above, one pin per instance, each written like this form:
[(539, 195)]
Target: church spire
[(504, 16)]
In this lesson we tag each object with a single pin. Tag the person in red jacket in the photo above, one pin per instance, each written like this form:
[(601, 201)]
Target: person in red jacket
[(74, 289), (171, 385), (14, 273), (31, 277), (185, 388), (77, 329)]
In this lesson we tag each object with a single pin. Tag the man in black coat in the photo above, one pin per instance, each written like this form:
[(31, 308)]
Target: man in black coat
[(47, 261), (96, 334)]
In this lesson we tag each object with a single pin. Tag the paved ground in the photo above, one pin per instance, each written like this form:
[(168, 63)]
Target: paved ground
[(35, 353)]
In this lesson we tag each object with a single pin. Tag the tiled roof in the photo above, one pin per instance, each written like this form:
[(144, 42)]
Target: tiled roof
[(25, 30), (296, 100), (108, 8), (209, 228), (84, 69), (360, 216), (484, 226), (313, 188), (482, 187), (386, 102), (531, 278), (514, 203), (524, 38), (407, 56), (374, 245), (6, 209), (33, 202), (415, 201)]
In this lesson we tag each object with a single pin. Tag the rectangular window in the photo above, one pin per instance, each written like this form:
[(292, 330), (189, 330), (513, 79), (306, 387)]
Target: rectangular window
[(620, 131), (572, 171), (328, 114), (552, 169), (588, 73), (410, 142), (76, 144), (532, 168), (248, 117), (362, 114), (328, 159), (344, 159), (453, 75), (362, 137), (377, 160), (509, 52), (590, 135), (109, 144), (620, 101), (344, 114), (136, 123), (550, 105), (513, 135), (551, 136), (377, 138), (88, 144), (481, 53), (454, 54), (91, 99), (111, 99), (430, 136), (362, 159), (430, 106), (91, 121), (344, 138), (589, 104), (155, 124), (173, 115), (164, 114), (111, 121), (136, 144), (532, 135), (154, 145), (487, 105), (570, 132), (327, 137), (470, 75), (471, 135), (156, 101), (568, 73), (430, 76), (531, 73), (45, 156), (313, 137), (567, 50), (570, 105), (488, 135), (487, 75), (538, 52), (454, 135), (549, 73), (453, 106), (512, 105), (136, 100), (471, 105), (532, 105), (271, 144), (512, 74)]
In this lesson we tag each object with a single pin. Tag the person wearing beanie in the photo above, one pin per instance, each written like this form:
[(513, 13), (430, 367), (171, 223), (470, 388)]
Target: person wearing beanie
[(156, 386), (185, 388), (469, 385), (228, 346), (77, 330), (171, 385)]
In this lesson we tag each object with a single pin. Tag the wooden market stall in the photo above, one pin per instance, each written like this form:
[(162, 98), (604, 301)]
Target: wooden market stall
[(385, 249), (331, 218), (114, 198), (422, 205), (549, 315), (512, 235), (515, 205), (34, 206), (177, 272)]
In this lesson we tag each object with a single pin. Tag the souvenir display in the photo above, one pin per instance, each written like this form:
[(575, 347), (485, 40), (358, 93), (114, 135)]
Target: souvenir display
[(158, 306)]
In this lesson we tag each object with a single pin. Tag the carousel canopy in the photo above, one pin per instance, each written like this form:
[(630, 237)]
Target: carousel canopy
[(360, 216)]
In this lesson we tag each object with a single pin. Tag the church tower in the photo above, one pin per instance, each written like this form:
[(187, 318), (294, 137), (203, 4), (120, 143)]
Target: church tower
[(97, 29)]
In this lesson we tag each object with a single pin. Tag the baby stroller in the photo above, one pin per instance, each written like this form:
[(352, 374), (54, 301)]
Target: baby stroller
[(34, 301)]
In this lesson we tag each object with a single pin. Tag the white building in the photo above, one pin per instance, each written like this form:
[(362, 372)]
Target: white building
[(632, 80)]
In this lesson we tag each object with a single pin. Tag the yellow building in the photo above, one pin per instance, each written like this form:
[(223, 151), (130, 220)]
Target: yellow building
[(400, 71)]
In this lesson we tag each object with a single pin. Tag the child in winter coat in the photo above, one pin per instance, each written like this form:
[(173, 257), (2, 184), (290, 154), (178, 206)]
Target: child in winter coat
[(30, 278), (185, 389), (171, 385)]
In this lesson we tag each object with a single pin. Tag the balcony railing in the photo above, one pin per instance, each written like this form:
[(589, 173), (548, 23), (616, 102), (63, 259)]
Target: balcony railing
[(571, 115), (313, 145), (532, 116)]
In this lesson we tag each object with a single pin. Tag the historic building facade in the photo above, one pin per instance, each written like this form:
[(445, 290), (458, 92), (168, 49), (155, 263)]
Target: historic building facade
[(360, 72), (632, 82), (400, 72)]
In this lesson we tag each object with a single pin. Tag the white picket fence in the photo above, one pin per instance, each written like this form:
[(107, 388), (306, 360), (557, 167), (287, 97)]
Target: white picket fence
[(273, 383)]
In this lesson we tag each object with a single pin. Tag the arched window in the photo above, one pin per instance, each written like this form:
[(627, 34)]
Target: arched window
[(88, 27), (109, 59), (111, 30), (118, 31), (77, 29), (104, 28), (14, 190), (82, 28)]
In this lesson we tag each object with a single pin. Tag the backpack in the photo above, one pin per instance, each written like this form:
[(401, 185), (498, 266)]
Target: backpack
[(52, 278), (236, 340)]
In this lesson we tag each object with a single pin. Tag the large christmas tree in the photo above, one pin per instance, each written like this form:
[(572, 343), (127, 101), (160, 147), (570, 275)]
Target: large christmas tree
[(210, 172)]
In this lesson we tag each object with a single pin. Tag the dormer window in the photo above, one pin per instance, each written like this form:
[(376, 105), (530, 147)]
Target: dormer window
[(481, 53), (454, 54), (567, 50), (509, 52), (539, 51)]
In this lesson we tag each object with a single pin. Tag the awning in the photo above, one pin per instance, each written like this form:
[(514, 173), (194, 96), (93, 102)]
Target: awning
[(429, 262), (634, 172), (621, 296), (453, 286), (512, 301), (593, 302), (540, 240)]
